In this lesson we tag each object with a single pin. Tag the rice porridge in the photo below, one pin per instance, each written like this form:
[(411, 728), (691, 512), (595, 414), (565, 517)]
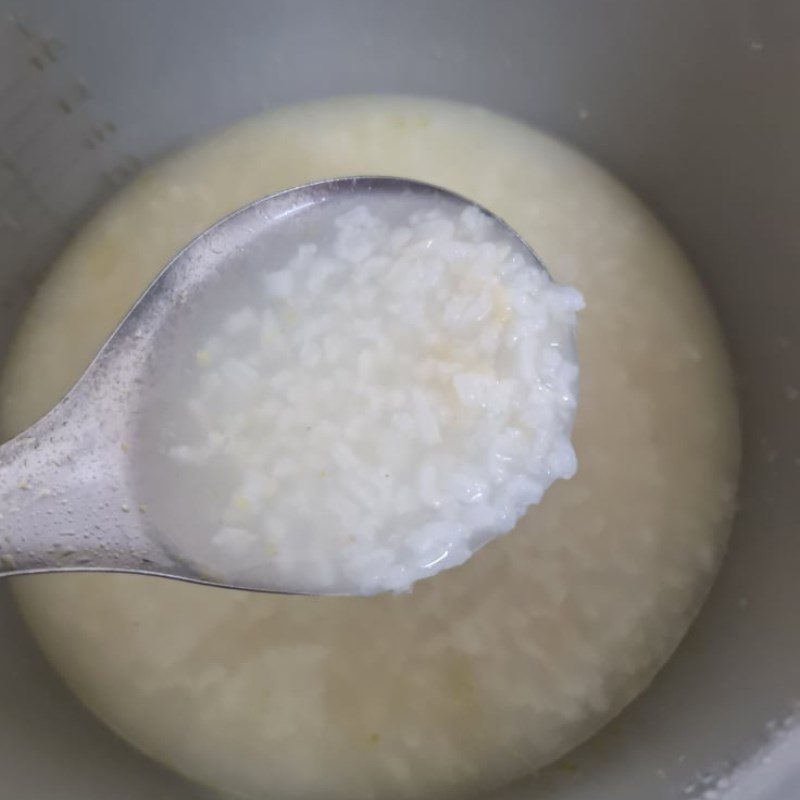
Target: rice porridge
[(364, 410), (488, 670)]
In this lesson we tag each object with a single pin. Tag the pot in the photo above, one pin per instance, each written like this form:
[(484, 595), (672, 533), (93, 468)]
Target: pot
[(693, 105)]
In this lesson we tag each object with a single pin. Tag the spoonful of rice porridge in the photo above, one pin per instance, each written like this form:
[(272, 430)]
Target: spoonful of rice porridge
[(342, 388)]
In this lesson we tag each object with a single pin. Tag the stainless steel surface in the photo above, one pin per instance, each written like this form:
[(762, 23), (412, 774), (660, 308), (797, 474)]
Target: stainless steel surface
[(68, 487), (693, 104)]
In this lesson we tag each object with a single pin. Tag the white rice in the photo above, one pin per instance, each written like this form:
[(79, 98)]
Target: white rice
[(395, 400)]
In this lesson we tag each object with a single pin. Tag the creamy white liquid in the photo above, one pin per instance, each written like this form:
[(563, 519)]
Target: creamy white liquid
[(488, 670)]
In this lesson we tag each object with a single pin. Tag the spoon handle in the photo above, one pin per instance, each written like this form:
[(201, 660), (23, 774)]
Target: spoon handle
[(65, 498), (67, 490)]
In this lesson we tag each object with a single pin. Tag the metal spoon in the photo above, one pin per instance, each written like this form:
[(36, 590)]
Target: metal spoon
[(68, 501)]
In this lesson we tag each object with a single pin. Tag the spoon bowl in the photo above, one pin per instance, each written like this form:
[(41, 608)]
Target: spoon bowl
[(71, 495)]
